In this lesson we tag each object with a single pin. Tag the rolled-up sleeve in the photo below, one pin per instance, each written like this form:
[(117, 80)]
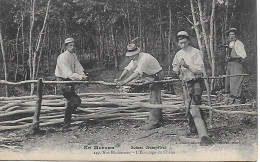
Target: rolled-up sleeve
[(78, 67), (142, 65), (240, 49), (198, 64), (175, 64), (131, 66)]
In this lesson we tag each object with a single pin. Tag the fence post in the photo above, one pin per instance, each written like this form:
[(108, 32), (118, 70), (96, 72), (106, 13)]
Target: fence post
[(34, 128)]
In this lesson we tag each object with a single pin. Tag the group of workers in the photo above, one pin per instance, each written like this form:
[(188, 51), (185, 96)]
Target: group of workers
[(187, 63)]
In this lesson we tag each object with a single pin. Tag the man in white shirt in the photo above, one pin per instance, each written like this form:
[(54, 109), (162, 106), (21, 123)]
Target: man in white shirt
[(189, 65), (68, 68), (144, 64), (234, 65)]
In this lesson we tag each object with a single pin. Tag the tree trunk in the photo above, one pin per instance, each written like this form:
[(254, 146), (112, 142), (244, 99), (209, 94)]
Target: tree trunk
[(211, 36), (195, 25), (4, 59), (17, 53), (140, 24), (169, 37), (36, 52), (162, 54), (205, 37), (129, 25), (115, 47), (100, 43)]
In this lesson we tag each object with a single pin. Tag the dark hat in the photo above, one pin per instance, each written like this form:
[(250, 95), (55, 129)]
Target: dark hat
[(231, 30), (132, 50)]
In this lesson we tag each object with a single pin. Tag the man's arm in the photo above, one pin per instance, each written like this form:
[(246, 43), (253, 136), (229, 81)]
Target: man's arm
[(130, 78), (124, 73), (240, 50)]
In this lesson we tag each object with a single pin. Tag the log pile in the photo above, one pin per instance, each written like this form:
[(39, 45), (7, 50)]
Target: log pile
[(18, 112)]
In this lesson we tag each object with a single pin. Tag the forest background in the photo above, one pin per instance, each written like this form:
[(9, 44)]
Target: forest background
[(32, 33)]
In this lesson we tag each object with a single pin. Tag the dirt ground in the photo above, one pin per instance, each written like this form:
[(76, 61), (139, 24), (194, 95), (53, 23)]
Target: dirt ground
[(235, 138)]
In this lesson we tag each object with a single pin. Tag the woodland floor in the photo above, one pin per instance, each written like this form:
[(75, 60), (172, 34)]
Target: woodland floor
[(234, 135)]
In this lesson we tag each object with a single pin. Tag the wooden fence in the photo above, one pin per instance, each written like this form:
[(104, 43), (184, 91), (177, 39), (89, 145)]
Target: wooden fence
[(39, 97)]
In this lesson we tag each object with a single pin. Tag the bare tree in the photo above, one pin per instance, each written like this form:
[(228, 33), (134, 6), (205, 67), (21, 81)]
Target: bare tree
[(4, 59)]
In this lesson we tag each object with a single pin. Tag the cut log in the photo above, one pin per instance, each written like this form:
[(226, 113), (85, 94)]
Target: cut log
[(10, 105)]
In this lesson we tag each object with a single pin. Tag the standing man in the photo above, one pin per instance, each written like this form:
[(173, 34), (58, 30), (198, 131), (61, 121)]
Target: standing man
[(144, 64), (188, 64), (68, 68), (234, 65)]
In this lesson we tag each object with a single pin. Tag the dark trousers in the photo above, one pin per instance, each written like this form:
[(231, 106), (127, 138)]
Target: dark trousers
[(155, 115), (195, 88), (72, 100)]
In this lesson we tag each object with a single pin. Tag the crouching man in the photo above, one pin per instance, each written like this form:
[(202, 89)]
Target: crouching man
[(68, 68), (189, 65), (144, 64)]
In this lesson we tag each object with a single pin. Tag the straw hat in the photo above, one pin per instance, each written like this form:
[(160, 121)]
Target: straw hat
[(231, 30), (132, 50), (67, 40), (183, 33)]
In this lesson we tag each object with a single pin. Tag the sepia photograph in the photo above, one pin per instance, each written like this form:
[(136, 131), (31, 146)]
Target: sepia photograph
[(128, 80)]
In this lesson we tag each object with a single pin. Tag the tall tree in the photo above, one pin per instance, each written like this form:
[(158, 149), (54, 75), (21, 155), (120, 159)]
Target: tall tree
[(4, 59)]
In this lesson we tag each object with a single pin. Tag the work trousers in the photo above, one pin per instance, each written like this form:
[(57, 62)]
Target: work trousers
[(72, 100), (195, 88), (234, 84)]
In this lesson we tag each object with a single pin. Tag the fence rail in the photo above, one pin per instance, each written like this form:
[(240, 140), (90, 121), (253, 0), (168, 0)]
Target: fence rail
[(4, 82)]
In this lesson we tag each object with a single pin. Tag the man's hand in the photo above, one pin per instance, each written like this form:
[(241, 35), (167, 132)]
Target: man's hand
[(84, 77), (183, 63), (120, 83), (228, 58), (117, 80)]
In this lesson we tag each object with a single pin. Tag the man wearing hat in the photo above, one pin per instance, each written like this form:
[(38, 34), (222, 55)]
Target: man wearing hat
[(189, 66), (69, 68), (234, 65), (144, 64)]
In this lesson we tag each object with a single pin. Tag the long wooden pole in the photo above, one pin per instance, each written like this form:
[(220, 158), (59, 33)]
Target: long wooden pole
[(34, 128), (106, 83)]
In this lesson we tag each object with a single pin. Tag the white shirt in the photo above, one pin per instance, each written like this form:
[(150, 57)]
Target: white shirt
[(238, 46), (146, 63), (192, 57), (68, 66)]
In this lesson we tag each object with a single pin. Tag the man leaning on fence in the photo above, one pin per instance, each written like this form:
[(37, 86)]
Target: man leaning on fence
[(234, 66), (188, 64), (69, 68), (144, 64)]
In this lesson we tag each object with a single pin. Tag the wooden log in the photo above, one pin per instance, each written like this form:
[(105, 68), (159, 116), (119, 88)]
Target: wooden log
[(111, 94), (159, 106), (34, 128), (200, 125), (229, 112), (4, 82), (233, 105), (61, 103), (12, 114), (17, 98), (5, 107), (12, 108), (17, 121)]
